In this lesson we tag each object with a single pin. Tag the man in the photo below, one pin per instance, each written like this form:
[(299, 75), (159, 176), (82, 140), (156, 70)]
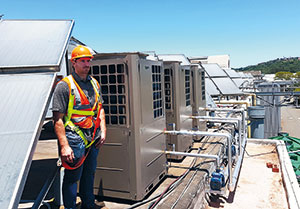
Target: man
[(79, 123)]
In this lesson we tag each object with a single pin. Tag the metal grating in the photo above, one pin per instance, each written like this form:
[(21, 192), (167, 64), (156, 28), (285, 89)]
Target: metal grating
[(187, 87), (168, 88), (203, 85), (113, 87), (157, 91)]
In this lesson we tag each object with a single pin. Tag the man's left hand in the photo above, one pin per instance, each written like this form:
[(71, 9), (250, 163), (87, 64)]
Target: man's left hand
[(101, 141)]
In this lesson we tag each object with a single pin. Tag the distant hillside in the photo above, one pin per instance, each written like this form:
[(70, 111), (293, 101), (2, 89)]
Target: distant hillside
[(291, 64)]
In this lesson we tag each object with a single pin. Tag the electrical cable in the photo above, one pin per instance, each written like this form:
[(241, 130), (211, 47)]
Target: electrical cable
[(176, 182)]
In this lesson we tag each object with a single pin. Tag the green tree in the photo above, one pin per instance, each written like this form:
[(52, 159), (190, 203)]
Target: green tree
[(284, 75)]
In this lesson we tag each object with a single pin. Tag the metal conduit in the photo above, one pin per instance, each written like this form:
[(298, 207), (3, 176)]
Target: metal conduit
[(204, 133), (237, 167), (243, 143), (216, 157), (225, 120), (240, 110)]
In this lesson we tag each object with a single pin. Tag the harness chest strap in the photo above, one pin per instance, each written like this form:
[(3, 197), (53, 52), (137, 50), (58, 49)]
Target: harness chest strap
[(71, 111)]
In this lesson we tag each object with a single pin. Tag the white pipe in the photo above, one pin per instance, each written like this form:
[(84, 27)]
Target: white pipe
[(237, 168), (216, 157), (225, 120), (240, 110), (205, 133)]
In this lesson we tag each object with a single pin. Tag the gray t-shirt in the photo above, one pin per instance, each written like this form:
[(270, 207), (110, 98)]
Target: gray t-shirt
[(61, 99)]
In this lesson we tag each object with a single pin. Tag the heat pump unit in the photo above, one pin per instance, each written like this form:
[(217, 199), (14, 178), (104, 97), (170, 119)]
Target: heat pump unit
[(198, 88), (178, 104), (131, 161)]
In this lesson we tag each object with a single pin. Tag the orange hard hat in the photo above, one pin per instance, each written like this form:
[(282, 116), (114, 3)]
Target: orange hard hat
[(81, 51)]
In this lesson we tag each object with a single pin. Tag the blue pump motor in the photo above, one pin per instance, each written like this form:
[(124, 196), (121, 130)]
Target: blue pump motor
[(217, 180), (233, 150)]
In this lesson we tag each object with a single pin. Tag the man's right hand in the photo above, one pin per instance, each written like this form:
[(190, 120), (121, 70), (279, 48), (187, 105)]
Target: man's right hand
[(67, 154)]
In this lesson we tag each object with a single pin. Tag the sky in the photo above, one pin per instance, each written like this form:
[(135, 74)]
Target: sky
[(249, 31)]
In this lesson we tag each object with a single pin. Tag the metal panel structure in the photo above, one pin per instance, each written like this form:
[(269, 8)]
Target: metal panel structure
[(227, 86), (38, 45), (222, 82), (231, 73), (240, 82), (243, 75), (175, 57), (211, 88), (26, 97), (31, 52), (199, 95), (178, 98), (214, 70), (272, 109), (131, 162), (209, 100)]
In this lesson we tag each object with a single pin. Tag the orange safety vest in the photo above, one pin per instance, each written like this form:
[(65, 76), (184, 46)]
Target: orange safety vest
[(82, 114)]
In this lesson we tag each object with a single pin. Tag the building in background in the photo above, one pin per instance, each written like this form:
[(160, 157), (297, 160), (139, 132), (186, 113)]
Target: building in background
[(222, 60)]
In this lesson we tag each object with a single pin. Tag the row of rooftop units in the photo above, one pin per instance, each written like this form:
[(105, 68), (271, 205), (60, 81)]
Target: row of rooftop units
[(142, 98), (156, 106)]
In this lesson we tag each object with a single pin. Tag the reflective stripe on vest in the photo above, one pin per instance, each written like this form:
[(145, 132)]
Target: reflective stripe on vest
[(80, 114)]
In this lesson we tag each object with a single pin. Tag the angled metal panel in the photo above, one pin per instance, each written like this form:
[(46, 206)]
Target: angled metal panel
[(242, 75), (209, 100), (232, 73), (227, 86), (174, 57), (211, 87), (241, 82), (214, 70), (25, 99), (33, 44)]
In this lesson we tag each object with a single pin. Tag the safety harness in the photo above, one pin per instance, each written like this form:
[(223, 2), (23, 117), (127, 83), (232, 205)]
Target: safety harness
[(81, 114)]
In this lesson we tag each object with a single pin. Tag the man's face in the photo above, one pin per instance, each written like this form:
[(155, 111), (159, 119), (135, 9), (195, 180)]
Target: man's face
[(82, 65)]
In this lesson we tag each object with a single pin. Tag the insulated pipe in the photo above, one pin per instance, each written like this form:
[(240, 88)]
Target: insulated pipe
[(236, 102), (237, 168), (224, 120), (216, 157), (243, 143), (240, 110), (205, 133)]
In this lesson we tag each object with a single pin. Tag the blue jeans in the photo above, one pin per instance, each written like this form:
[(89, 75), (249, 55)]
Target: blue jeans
[(85, 173)]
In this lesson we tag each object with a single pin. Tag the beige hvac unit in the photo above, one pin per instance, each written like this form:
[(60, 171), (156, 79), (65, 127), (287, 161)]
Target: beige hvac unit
[(178, 105), (131, 161), (198, 89)]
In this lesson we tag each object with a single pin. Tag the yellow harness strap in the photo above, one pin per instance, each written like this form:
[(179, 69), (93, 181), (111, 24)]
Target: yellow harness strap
[(71, 111)]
